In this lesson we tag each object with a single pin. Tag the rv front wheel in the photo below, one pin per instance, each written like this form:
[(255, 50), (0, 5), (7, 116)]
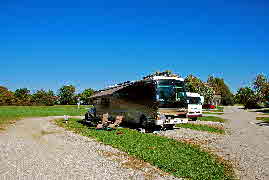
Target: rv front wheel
[(169, 126)]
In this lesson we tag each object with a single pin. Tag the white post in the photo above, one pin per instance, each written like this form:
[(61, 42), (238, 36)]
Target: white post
[(78, 102), (66, 118)]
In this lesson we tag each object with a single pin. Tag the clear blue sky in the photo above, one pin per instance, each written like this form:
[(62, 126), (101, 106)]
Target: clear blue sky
[(46, 44)]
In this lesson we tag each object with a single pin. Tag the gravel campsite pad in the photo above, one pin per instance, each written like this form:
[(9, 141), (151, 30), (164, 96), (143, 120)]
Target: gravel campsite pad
[(35, 148)]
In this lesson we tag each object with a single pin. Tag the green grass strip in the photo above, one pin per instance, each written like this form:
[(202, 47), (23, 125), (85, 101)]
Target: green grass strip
[(218, 109), (211, 118), (178, 158), (11, 113), (265, 119), (202, 127), (213, 113)]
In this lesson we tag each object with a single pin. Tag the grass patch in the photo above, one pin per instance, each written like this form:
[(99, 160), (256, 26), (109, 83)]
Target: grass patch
[(211, 118), (10, 113), (202, 127), (265, 119), (218, 113), (178, 158), (218, 109)]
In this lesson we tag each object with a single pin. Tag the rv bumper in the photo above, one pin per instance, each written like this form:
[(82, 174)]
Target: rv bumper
[(176, 121), (171, 121)]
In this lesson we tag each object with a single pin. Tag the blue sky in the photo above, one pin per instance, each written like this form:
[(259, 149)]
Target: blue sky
[(97, 43)]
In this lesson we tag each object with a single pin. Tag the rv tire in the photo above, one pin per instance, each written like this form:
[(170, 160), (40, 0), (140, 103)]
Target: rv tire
[(143, 121)]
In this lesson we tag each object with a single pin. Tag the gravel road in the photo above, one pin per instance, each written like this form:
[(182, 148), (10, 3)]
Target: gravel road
[(35, 148), (246, 143)]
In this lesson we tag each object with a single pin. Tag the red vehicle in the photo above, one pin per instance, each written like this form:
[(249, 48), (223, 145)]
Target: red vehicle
[(208, 106)]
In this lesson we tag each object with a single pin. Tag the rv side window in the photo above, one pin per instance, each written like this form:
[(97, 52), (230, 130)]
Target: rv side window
[(105, 101), (171, 82), (140, 93)]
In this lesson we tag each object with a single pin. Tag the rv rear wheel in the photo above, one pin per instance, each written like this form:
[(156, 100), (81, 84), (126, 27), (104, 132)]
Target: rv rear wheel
[(143, 121), (86, 116)]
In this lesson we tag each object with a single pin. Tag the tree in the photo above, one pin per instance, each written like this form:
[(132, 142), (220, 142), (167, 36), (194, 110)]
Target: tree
[(85, 96), (253, 96), (194, 84), (207, 92), (221, 88), (247, 97), (6, 96), (41, 97), (261, 86), (67, 95), (23, 96)]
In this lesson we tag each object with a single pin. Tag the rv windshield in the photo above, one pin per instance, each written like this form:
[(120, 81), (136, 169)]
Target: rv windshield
[(169, 89), (166, 94), (194, 100)]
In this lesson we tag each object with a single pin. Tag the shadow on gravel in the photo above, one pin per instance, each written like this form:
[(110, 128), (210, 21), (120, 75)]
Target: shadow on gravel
[(132, 126), (263, 111), (262, 123), (254, 109)]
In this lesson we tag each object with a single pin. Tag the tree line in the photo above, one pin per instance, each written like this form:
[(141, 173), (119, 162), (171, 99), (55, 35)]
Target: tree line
[(251, 96), (66, 94), (254, 96), (22, 97)]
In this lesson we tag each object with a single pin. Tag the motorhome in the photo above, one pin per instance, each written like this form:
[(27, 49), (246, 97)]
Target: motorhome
[(195, 102), (154, 100)]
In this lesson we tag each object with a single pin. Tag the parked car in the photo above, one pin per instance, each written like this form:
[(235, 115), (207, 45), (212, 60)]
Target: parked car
[(208, 106)]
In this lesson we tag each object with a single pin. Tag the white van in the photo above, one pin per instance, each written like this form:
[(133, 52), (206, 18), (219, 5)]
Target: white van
[(195, 102)]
